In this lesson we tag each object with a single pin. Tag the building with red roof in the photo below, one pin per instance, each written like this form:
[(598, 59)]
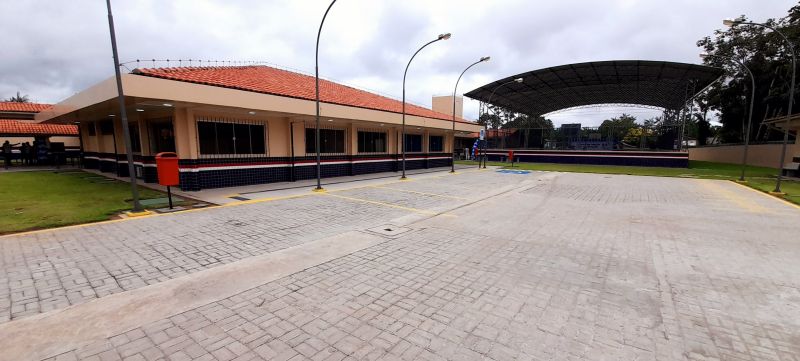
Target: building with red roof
[(17, 110), (17, 126), (253, 124)]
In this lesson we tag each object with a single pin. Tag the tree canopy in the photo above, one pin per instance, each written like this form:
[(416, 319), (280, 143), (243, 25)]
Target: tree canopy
[(765, 53)]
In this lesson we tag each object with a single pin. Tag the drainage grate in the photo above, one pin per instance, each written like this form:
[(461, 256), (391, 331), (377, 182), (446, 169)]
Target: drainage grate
[(389, 230)]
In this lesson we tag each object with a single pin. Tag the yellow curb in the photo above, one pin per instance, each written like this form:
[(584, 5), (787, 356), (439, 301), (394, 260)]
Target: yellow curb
[(138, 214), (768, 194)]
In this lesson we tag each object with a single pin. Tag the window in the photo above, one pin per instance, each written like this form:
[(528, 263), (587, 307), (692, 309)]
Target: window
[(436, 143), (107, 127), (230, 138), (162, 136), (413, 142), (330, 140), (92, 129), (136, 140), (371, 142)]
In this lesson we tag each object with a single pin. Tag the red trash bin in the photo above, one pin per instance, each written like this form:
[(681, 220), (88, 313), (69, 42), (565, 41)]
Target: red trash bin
[(167, 167), (168, 171)]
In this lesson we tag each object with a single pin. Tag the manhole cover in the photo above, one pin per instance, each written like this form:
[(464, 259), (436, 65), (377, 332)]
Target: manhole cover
[(389, 230)]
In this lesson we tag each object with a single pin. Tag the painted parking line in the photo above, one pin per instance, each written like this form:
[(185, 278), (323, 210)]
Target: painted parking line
[(422, 193), (734, 197), (385, 204)]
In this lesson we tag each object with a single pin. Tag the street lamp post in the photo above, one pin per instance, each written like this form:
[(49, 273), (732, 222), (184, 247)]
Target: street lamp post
[(403, 140), (316, 80), (732, 23), (137, 206), (455, 89), (489, 101), (750, 115)]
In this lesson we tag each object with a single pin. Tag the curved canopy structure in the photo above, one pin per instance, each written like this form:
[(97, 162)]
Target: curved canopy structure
[(651, 83)]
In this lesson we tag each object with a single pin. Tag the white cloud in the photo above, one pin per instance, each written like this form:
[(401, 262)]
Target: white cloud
[(56, 48)]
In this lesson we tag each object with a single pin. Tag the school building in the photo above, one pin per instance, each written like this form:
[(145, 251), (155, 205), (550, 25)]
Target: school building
[(245, 125)]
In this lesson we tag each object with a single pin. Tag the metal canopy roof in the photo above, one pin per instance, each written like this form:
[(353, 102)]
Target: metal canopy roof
[(653, 83)]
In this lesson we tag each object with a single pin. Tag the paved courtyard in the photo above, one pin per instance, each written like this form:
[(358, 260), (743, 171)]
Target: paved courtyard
[(478, 265)]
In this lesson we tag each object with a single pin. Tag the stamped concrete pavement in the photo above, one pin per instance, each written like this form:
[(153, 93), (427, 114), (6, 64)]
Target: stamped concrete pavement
[(480, 265)]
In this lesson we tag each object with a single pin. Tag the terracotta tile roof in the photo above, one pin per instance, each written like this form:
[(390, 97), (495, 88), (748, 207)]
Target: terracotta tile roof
[(21, 127), (269, 80), (23, 107)]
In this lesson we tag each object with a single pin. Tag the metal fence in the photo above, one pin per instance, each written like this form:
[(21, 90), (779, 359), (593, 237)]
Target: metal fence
[(659, 137)]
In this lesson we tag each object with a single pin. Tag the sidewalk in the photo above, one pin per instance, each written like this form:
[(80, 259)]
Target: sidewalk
[(268, 190)]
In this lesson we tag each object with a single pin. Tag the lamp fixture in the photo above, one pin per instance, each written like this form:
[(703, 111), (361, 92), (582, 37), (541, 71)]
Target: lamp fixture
[(730, 22)]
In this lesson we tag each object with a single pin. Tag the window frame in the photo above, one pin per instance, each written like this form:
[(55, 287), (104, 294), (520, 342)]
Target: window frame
[(310, 148), (421, 143), (441, 150), (135, 137), (233, 124), (385, 136)]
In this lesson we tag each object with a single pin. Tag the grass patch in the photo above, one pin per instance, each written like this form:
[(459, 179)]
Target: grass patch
[(45, 199), (760, 178)]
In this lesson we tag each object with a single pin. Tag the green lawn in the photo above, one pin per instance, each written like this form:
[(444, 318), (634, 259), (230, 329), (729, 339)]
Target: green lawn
[(44, 199), (760, 178)]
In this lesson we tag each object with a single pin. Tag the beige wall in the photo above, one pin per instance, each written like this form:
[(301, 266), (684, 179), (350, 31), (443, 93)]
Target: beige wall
[(444, 104), (763, 155)]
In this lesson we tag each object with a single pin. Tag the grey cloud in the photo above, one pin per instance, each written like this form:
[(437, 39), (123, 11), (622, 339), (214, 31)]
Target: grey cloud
[(57, 48)]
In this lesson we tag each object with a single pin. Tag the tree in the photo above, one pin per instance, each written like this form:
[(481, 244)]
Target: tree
[(765, 53), (19, 98), (495, 116), (617, 128), (493, 120), (525, 122)]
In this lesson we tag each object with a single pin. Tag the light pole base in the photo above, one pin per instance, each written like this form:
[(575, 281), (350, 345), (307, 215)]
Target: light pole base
[(741, 181), (141, 213), (319, 190), (404, 178), (777, 193)]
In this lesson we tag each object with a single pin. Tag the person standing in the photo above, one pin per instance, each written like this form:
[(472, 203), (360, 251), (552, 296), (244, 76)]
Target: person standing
[(25, 153), (7, 147)]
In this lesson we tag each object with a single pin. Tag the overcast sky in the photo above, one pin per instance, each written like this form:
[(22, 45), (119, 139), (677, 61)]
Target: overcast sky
[(53, 49)]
